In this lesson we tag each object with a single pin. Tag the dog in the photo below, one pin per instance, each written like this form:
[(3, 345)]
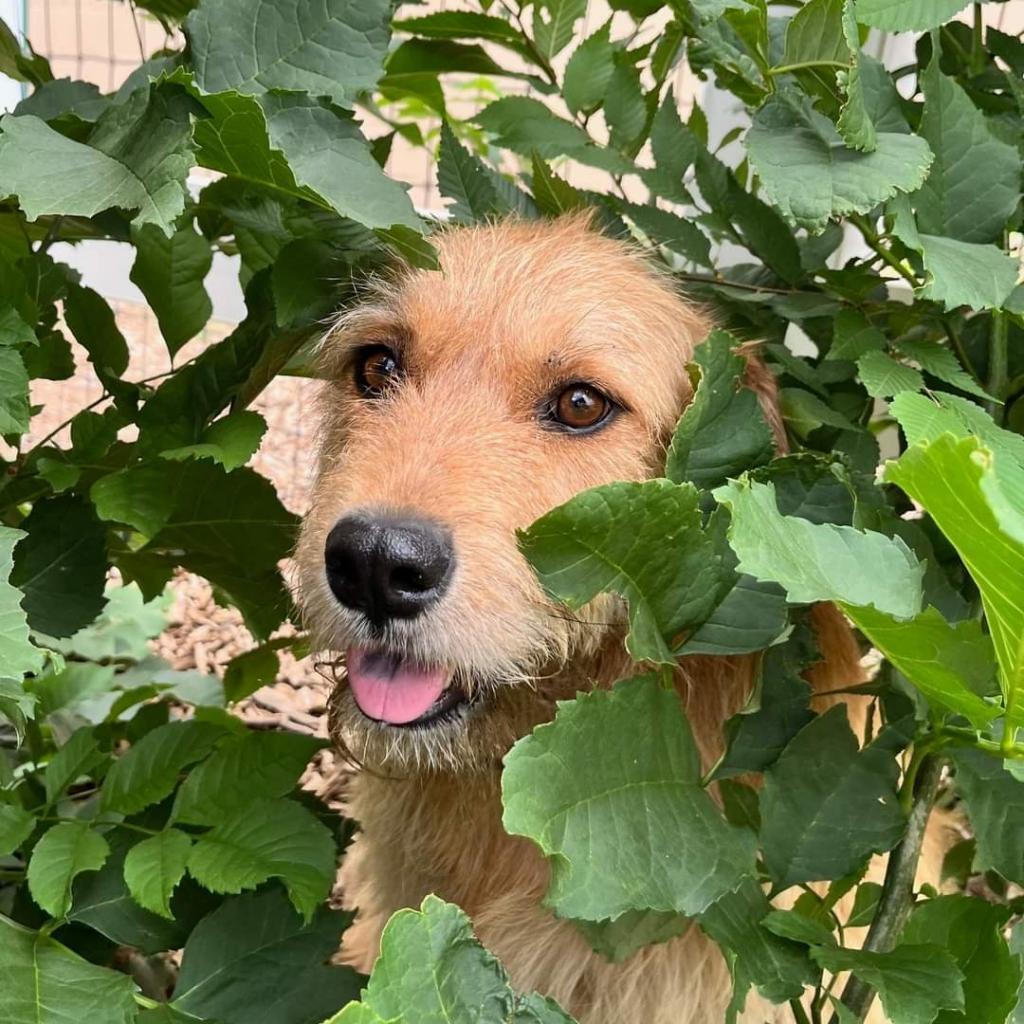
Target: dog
[(458, 406)]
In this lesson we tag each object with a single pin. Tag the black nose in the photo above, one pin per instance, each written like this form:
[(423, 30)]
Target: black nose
[(388, 567)]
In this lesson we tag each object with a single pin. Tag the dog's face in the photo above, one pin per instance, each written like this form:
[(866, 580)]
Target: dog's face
[(542, 360)]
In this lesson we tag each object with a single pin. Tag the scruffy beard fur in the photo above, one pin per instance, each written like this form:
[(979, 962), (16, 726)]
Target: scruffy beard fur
[(517, 309)]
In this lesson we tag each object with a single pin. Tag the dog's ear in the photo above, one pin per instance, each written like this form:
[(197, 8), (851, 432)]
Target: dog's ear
[(762, 382)]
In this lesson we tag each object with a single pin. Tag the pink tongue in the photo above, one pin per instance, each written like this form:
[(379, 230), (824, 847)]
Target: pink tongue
[(390, 688)]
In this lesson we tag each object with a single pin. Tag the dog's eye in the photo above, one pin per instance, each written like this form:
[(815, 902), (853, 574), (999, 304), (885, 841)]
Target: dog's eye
[(581, 407), (377, 369)]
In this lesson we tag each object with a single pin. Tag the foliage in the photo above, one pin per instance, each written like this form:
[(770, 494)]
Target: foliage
[(868, 218)]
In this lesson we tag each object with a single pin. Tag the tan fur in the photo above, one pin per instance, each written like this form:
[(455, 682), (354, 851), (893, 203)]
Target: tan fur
[(517, 308)]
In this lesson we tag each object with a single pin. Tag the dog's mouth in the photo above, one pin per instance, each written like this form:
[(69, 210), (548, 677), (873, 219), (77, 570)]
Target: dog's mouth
[(392, 689)]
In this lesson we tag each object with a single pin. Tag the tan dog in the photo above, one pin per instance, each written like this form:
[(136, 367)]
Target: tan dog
[(544, 359)]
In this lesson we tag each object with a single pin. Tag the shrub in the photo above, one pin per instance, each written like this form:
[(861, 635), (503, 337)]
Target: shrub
[(871, 221)]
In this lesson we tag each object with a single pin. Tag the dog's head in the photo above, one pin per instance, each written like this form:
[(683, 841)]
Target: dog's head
[(542, 360)]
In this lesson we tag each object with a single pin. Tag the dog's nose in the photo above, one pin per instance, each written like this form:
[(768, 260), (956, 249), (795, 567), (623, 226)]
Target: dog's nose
[(388, 567)]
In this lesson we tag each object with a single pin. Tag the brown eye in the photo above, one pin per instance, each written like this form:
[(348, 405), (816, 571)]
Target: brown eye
[(581, 407), (377, 369)]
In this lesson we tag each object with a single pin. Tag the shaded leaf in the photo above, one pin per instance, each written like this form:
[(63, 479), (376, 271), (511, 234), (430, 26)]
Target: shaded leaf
[(61, 565), (826, 806), (149, 771), (254, 961)]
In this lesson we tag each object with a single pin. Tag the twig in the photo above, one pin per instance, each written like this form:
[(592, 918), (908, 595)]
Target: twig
[(874, 240), (997, 362), (897, 896)]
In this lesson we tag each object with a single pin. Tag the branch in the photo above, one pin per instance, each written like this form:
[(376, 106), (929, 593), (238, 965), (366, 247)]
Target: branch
[(898, 888)]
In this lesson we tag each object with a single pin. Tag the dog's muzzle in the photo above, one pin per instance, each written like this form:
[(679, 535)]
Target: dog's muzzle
[(388, 566)]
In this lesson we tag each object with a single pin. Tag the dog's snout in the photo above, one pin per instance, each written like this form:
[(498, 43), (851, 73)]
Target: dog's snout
[(388, 567)]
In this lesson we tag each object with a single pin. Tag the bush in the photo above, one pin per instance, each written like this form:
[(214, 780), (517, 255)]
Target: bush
[(872, 221)]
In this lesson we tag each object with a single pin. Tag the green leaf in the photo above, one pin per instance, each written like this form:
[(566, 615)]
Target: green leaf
[(111, 171), (142, 496), (254, 961), (465, 25), (913, 982), (777, 967), (827, 806), (723, 431), (643, 541), (150, 137), (300, 148), (432, 970), (268, 839), (334, 48), (674, 148), (328, 154), (633, 831), (230, 441), (17, 653), (16, 825), (854, 336), (525, 125), (973, 186), (953, 480), (61, 565), (14, 397), (232, 529), (169, 271), (815, 34), (62, 98), (819, 562), (554, 24), (589, 71), (884, 377), (856, 123), (776, 711), (972, 931), (790, 924), (625, 109), (79, 756), (957, 273), (63, 853), (102, 901), (553, 195), (810, 176), (953, 666), (467, 180), (906, 15), (43, 982), (154, 867), (248, 671), (995, 804), (149, 771), (662, 227), (253, 766), (95, 328), (942, 363)]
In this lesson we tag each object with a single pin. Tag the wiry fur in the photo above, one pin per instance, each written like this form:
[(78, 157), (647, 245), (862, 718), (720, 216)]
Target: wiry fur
[(518, 309)]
